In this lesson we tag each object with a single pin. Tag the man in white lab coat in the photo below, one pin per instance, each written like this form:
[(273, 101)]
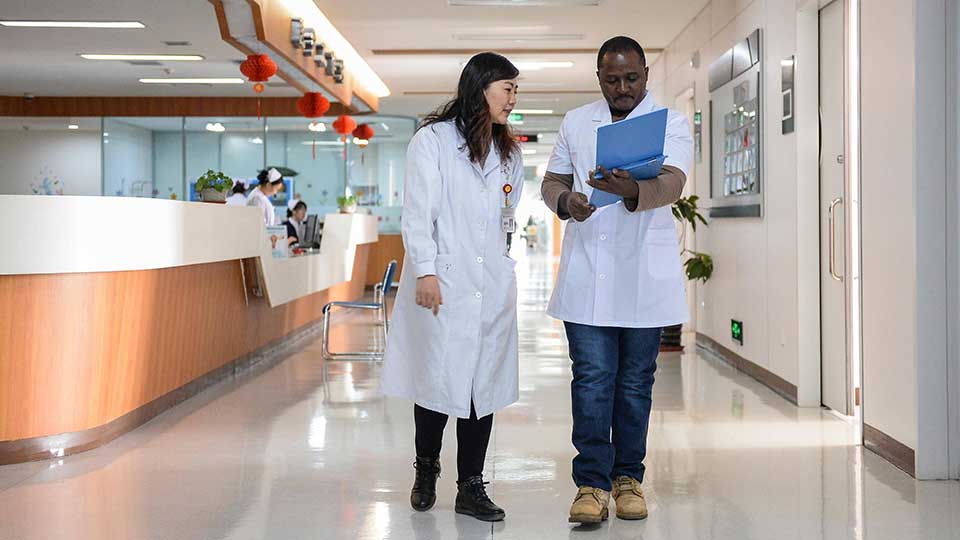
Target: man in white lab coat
[(620, 282)]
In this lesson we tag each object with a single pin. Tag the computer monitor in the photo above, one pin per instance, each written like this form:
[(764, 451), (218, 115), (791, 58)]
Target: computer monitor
[(310, 232)]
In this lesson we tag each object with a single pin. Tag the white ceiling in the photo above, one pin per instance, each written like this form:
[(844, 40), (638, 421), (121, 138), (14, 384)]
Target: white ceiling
[(45, 62)]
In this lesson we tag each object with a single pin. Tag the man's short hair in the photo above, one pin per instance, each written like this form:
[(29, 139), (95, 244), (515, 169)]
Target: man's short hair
[(621, 44)]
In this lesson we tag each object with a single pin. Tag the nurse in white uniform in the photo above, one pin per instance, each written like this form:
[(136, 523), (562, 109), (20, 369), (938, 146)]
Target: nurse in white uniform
[(452, 347), (270, 182), (239, 196)]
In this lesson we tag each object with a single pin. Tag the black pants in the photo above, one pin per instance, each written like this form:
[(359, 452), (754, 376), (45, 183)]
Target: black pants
[(473, 436)]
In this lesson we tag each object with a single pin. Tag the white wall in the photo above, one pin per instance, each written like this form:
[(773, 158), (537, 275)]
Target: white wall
[(71, 158), (888, 219), (755, 260)]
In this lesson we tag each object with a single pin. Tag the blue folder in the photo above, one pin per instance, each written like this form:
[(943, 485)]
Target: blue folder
[(634, 145)]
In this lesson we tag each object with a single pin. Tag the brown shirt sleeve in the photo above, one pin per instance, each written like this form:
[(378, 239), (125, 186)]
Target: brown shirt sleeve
[(663, 190), (555, 188)]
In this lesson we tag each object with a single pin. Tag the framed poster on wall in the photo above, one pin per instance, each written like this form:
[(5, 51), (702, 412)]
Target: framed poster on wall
[(736, 171)]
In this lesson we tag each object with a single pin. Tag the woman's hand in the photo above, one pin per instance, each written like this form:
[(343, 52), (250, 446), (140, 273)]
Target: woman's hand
[(428, 293)]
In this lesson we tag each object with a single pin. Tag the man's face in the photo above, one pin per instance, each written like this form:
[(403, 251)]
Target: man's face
[(623, 80)]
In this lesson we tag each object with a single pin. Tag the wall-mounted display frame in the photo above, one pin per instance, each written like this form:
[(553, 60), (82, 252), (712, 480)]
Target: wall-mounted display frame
[(736, 131)]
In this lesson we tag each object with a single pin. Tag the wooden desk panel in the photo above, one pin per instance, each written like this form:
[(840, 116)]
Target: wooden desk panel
[(387, 248), (78, 351)]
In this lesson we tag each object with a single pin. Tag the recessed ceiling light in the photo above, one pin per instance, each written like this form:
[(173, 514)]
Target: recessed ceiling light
[(144, 57), (317, 126), (524, 3), (322, 143), (215, 127), (225, 80), (537, 66), (533, 111), (73, 24), (518, 38), (73, 126)]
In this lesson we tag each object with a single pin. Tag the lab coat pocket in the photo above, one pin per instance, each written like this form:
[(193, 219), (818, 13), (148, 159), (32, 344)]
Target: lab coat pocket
[(663, 253)]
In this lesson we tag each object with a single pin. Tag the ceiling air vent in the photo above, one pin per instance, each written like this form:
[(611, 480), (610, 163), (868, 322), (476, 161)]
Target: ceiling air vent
[(177, 43), (525, 3)]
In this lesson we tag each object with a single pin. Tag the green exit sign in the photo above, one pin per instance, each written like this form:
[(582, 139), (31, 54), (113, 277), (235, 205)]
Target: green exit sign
[(516, 117), (736, 331)]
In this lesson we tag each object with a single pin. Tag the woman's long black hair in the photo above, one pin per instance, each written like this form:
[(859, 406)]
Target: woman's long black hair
[(470, 110)]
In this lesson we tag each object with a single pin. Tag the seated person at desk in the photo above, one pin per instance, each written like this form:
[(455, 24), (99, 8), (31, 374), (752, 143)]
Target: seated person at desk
[(270, 182), (239, 197), (294, 222)]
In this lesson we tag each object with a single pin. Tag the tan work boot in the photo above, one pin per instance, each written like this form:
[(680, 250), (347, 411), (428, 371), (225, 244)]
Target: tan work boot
[(590, 505), (629, 497)]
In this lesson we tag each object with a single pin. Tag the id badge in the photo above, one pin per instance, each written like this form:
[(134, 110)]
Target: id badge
[(508, 219)]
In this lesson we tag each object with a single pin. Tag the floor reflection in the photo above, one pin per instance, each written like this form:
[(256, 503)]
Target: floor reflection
[(279, 456)]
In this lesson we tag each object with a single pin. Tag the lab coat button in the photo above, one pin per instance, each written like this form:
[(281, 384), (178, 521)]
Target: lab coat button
[(603, 276), (480, 260), (603, 237), (479, 295)]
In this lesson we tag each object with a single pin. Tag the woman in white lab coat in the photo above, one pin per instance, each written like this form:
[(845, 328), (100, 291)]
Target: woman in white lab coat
[(269, 184), (452, 347)]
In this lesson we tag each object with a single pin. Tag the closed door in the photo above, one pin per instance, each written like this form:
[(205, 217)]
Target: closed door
[(833, 326)]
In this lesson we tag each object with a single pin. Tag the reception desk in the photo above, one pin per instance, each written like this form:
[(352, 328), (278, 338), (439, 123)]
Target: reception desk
[(115, 309)]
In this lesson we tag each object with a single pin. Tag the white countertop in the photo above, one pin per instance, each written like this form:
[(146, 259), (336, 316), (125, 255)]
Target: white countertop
[(64, 234)]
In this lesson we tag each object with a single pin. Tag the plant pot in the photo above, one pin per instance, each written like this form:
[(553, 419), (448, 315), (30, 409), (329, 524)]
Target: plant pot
[(213, 196), (671, 338), (348, 209)]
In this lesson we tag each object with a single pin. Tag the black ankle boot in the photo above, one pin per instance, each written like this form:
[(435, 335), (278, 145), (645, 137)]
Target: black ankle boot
[(424, 492), (472, 500)]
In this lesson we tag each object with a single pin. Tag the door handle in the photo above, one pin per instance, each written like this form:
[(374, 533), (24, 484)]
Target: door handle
[(833, 243)]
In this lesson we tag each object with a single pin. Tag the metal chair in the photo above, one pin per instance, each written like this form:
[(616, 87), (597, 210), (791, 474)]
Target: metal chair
[(379, 304)]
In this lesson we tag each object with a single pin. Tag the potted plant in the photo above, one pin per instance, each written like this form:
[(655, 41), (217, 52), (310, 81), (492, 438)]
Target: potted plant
[(348, 205), (214, 187), (699, 266)]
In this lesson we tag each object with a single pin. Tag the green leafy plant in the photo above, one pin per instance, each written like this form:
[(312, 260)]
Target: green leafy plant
[(344, 202), (686, 209), (700, 265), (214, 180)]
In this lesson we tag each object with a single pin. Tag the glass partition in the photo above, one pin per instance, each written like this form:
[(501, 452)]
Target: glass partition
[(162, 157)]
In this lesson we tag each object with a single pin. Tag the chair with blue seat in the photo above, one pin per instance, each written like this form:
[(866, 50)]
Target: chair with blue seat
[(379, 305)]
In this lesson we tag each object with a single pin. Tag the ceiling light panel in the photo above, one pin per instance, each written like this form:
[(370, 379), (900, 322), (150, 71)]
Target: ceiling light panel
[(525, 3), (193, 81), (518, 38), (144, 57), (74, 24)]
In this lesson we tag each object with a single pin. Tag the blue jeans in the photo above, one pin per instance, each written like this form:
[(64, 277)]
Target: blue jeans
[(613, 372)]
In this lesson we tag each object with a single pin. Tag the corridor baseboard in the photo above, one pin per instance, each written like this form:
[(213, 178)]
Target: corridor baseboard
[(767, 378), (900, 455), (65, 444)]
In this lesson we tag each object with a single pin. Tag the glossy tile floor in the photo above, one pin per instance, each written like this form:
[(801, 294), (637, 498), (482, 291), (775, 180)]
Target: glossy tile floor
[(275, 457)]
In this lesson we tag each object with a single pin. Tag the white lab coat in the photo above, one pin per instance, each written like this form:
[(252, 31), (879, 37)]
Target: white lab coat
[(261, 201), (237, 199), (618, 268), (452, 229)]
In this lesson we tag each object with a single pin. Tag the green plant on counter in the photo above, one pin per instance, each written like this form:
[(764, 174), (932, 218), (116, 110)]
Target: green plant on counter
[(344, 202), (214, 180), (700, 265)]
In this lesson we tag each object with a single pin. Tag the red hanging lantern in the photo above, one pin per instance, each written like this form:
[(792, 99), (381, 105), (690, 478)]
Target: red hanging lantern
[(313, 105), (258, 68), (345, 125), (363, 132)]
